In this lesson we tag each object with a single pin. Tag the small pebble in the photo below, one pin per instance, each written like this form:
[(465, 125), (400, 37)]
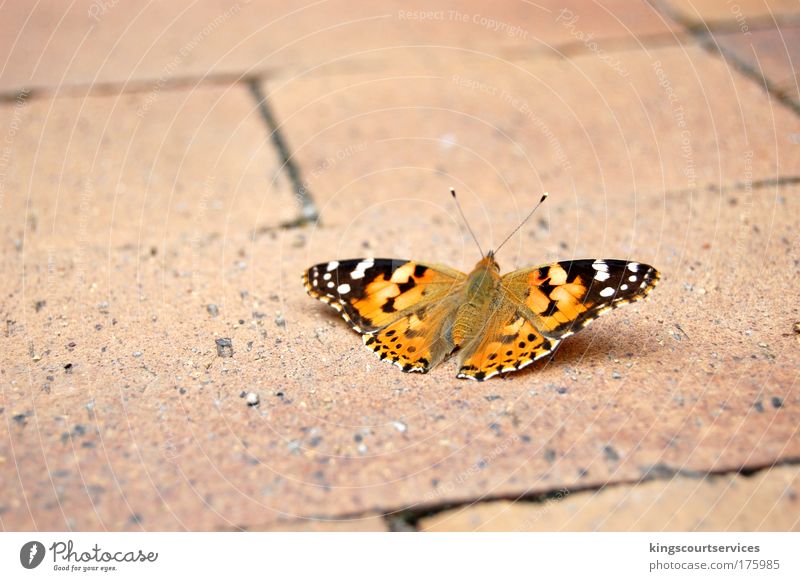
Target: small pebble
[(616, 375), (224, 347), (279, 320), (400, 426), (212, 309), (137, 353), (252, 399)]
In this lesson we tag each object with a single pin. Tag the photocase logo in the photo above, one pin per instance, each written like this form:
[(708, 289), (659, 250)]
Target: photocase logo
[(31, 554)]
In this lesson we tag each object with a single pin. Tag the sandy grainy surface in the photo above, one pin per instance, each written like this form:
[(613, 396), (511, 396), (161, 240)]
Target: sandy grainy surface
[(163, 369)]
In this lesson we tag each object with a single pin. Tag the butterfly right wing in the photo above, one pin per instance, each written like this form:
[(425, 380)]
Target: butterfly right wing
[(540, 306), (564, 297)]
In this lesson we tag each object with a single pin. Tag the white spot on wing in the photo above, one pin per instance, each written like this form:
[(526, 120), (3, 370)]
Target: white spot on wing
[(607, 292), (632, 278), (633, 266), (330, 285), (624, 287), (343, 289), (600, 265), (361, 268), (326, 276), (331, 265), (601, 275)]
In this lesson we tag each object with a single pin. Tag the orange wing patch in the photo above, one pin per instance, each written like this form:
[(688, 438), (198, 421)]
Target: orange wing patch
[(383, 297), (511, 343)]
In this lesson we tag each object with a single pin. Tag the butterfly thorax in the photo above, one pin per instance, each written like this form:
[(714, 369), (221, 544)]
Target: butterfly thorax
[(480, 289)]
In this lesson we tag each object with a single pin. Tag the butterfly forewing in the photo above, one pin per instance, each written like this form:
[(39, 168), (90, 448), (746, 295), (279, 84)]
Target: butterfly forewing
[(372, 293), (564, 297)]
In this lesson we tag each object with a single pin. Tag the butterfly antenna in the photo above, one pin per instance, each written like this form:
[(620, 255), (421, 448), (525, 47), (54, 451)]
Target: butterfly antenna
[(463, 217), (521, 224)]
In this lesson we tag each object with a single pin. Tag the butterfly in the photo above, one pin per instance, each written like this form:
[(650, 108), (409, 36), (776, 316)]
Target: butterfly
[(416, 314)]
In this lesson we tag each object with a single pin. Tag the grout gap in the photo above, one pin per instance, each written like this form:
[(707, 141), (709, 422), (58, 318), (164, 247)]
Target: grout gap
[(408, 519), (308, 209)]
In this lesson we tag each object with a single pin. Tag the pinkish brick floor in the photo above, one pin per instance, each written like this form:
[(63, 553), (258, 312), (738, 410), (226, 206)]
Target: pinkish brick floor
[(158, 189)]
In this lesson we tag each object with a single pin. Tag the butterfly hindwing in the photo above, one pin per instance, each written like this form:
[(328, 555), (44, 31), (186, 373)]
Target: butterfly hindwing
[(509, 342), (564, 297), (420, 340)]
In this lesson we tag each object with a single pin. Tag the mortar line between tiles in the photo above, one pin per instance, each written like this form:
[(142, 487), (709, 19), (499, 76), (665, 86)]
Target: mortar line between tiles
[(711, 46), (753, 186), (754, 23), (308, 208), (114, 88), (407, 520)]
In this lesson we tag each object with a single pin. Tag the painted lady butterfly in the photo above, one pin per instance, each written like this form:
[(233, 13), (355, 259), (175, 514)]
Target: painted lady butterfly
[(416, 314)]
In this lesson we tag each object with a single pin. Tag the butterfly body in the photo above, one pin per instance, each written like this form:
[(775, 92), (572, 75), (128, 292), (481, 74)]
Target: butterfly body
[(416, 314), (476, 295)]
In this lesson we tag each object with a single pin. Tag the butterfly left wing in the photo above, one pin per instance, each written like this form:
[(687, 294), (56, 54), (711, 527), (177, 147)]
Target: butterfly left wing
[(404, 309), (564, 297)]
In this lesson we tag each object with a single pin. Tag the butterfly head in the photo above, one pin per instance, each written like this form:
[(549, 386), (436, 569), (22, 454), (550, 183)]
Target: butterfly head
[(488, 262)]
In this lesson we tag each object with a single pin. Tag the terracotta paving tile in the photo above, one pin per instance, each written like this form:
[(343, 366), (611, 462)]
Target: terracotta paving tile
[(138, 169), (86, 43), (163, 369), (121, 413), (362, 524), (774, 53), (503, 133), (767, 501), (745, 14)]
